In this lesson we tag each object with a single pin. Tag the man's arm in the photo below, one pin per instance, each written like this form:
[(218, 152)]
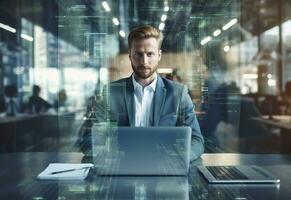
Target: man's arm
[(190, 119)]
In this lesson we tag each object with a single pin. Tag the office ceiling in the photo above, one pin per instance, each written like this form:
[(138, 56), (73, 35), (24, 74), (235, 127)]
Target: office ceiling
[(187, 20)]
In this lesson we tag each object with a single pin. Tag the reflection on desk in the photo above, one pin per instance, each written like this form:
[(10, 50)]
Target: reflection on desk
[(18, 180), (139, 187)]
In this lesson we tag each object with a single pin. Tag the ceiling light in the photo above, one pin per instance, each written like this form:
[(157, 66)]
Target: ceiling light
[(106, 6), (205, 40), (26, 37), (271, 82), (226, 48), (250, 76), (161, 26), (19, 70), (166, 6), (122, 33), (163, 18), (115, 21), (7, 28), (216, 33), (229, 24)]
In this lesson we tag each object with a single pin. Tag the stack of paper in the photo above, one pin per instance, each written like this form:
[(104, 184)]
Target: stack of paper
[(65, 171)]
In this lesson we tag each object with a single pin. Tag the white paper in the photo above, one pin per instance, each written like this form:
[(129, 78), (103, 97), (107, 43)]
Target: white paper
[(78, 174)]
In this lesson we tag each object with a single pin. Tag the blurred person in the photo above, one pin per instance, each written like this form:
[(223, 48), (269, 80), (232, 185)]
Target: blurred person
[(60, 102), (145, 98), (288, 93), (229, 125), (2, 104), (11, 105), (285, 99), (170, 77), (270, 105), (36, 104), (177, 78)]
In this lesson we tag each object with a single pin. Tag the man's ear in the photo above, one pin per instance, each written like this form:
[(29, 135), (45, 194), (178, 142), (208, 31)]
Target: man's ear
[(160, 54)]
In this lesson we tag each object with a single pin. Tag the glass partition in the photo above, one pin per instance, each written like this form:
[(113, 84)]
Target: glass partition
[(228, 54)]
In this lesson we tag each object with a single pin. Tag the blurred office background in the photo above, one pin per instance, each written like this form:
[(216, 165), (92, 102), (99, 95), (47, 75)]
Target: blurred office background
[(234, 56)]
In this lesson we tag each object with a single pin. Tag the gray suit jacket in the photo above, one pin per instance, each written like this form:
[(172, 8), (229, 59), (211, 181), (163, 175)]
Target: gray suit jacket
[(172, 106)]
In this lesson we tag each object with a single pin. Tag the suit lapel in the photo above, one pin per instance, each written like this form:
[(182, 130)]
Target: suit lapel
[(159, 100), (129, 101)]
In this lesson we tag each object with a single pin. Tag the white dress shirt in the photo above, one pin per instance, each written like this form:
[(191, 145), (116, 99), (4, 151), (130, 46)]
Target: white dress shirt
[(143, 98)]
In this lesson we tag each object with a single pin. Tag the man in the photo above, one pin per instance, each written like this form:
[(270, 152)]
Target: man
[(145, 98)]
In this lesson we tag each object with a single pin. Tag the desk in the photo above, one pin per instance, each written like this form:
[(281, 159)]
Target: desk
[(283, 122), (280, 121), (15, 119), (28, 132), (19, 132), (18, 173)]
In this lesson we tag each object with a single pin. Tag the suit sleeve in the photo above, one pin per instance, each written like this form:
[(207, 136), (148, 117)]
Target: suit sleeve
[(190, 119)]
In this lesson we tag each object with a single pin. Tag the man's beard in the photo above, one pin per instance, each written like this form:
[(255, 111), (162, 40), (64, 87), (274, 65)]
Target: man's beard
[(140, 73)]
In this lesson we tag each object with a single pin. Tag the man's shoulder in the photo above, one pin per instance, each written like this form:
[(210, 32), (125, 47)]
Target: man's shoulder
[(118, 86), (118, 83), (169, 84), (122, 80)]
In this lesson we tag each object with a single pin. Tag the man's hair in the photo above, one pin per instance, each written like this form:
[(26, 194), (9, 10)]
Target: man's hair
[(144, 32)]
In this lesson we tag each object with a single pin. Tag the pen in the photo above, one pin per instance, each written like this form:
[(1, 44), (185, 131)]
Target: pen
[(69, 170)]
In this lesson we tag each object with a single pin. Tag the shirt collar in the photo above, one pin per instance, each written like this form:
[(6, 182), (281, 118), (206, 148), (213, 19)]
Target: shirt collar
[(136, 85)]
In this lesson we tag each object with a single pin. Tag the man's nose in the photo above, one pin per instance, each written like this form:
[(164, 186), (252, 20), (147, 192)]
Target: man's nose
[(144, 59)]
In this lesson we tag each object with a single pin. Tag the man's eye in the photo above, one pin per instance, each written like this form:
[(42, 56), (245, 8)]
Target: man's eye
[(151, 54)]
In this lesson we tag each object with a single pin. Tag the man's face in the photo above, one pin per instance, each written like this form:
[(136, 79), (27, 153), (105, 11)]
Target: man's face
[(145, 56)]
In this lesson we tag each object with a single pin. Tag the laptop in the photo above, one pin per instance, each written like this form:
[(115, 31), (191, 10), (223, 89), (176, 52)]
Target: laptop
[(237, 174), (141, 150)]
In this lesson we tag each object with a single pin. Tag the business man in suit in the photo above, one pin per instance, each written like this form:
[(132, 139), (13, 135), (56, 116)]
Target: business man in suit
[(145, 98)]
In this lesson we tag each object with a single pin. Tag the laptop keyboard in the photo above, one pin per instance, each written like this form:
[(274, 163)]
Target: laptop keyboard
[(226, 173)]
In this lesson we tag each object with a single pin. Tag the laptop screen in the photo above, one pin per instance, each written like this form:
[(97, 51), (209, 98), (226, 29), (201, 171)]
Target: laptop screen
[(142, 150)]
